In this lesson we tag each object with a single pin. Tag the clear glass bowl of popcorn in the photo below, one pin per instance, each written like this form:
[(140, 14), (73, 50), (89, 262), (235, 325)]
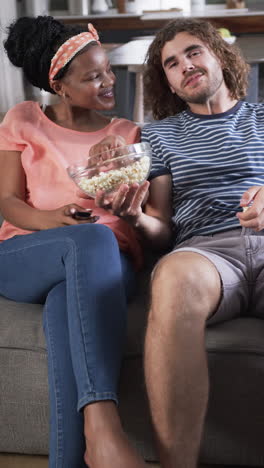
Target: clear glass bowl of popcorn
[(108, 170)]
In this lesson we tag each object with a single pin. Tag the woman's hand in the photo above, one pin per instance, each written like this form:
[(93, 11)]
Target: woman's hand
[(65, 216), (253, 217), (108, 143), (126, 203)]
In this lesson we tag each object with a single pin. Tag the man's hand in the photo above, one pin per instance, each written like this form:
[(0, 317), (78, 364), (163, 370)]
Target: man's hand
[(253, 217), (126, 203)]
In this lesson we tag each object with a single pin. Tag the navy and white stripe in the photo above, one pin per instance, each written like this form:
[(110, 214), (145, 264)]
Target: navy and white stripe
[(213, 160)]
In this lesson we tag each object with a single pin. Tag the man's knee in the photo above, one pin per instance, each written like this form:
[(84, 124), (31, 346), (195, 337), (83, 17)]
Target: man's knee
[(186, 282)]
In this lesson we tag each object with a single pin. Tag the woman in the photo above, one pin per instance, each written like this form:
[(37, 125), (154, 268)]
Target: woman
[(82, 269)]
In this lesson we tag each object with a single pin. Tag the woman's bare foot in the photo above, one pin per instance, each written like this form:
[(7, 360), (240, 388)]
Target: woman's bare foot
[(106, 442)]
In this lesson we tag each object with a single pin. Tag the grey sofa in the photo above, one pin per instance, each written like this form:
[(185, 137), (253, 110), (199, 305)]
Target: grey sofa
[(234, 429)]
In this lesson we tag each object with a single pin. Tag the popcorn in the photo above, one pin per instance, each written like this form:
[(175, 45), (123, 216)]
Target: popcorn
[(111, 180)]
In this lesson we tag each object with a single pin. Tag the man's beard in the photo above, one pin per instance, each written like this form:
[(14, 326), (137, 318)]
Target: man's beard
[(202, 96)]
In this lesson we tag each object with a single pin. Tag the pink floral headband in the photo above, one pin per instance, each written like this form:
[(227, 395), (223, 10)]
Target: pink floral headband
[(70, 48)]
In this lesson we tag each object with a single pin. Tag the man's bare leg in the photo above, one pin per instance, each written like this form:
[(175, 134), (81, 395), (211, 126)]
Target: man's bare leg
[(186, 289), (107, 445)]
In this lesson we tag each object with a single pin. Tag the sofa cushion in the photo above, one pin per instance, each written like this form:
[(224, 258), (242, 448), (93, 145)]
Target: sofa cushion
[(234, 424), (242, 335), (21, 326), (24, 409)]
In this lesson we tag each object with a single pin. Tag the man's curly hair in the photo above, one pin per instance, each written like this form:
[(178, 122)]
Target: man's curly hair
[(158, 96)]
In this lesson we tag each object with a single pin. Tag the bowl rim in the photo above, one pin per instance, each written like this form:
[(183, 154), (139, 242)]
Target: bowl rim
[(73, 169)]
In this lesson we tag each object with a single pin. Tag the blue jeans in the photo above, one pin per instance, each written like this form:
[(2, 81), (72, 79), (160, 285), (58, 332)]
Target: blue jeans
[(84, 281)]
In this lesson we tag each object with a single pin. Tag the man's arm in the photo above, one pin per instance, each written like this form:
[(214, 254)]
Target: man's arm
[(151, 218), (154, 224)]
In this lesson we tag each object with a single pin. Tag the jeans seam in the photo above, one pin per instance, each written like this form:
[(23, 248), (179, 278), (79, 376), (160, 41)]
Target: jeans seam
[(92, 397), (91, 384), (30, 246), (54, 383)]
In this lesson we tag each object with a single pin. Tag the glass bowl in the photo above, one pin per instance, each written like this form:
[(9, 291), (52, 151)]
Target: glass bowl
[(109, 169)]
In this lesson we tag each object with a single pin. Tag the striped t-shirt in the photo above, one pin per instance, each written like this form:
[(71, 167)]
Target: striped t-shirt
[(213, 160)]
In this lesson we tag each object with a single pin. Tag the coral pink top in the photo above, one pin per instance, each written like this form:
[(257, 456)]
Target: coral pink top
[(47, 149)]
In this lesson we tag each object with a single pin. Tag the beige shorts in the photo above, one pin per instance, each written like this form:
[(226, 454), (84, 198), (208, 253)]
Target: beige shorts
[(238, 255)]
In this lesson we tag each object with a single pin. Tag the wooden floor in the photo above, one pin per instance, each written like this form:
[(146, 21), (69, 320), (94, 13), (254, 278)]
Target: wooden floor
[(24, 461)]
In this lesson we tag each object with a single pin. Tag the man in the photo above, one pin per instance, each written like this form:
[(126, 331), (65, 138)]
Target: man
[(210, 154), (208, 163)]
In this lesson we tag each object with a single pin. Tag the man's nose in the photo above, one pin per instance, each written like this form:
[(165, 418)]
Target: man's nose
[(187, 65)]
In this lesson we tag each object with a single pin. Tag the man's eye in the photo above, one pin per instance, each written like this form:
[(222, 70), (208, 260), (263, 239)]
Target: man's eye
[(173, 64), (196, 52)]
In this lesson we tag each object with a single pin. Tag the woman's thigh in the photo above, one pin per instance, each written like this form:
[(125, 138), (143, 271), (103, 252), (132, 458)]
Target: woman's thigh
[(31, 265)]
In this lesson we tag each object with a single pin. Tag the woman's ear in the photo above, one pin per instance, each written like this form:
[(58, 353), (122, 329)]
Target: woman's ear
[(57, 86)]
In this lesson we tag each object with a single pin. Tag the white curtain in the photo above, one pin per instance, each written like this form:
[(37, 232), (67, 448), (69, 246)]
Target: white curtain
[(11, 80)]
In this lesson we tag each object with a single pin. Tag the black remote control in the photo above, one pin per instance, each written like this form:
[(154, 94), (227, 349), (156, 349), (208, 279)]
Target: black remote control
[(81, 214)]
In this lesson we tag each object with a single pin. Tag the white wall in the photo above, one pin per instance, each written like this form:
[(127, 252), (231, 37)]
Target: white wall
[(11, 81), (164, 4)]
